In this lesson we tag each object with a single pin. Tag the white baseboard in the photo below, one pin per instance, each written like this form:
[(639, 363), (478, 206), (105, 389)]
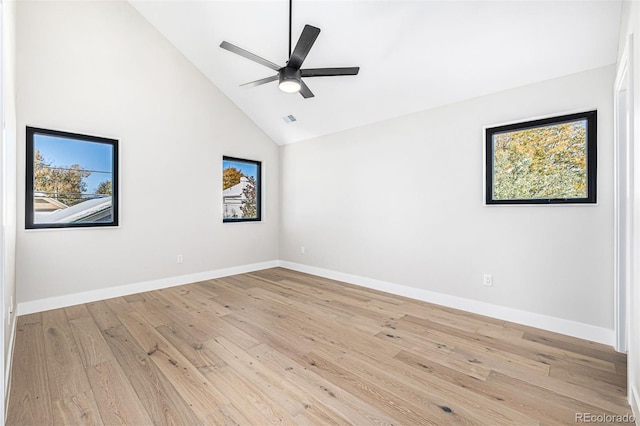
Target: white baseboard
[(8, 363), (558, 325), (634, 401), (57, 302)]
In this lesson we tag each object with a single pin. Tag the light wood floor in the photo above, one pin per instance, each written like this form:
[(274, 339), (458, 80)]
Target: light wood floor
[(278, 346)]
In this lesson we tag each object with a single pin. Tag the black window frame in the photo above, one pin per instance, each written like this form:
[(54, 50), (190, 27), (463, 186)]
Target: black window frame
[(591, 140), (31, 132), (258, 165)]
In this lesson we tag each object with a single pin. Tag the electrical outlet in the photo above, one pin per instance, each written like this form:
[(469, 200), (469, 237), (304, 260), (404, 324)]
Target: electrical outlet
[(487, 280), (302, 250), (179, 259), (10, 310)]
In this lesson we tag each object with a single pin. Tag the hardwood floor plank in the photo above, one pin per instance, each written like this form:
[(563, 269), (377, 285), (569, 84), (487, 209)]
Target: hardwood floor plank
[(283, 393), (254, 402), (500, 332), (164, 404), (590, 349), (308, 287), (272, 274), (235, 281), (102, 314), (555, 404), (451, 318), (547, 406), (570, 374), (193, 349), (282, 347), (238, 300), (303, 325), (211, 324), (30, 400), (589, 395), (271, 335), (77, 410), (494, 358), (77, 311), (119, 305), (194, 298), (344, 304), (427, 391), (156, 311), (378, 396), (199, 330), (446, 355), (132, 297), (168, 406), (345, 404), (206, 401), (549, 355), (115, 398), (511, 398), (91, 345), (67, 377), (326, 309), (322, 287)]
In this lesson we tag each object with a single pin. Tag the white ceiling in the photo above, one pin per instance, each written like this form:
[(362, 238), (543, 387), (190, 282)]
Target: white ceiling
[(413, 55)]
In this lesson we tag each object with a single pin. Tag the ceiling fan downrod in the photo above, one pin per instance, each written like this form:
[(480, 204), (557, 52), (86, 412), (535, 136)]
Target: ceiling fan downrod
[(290, 21)]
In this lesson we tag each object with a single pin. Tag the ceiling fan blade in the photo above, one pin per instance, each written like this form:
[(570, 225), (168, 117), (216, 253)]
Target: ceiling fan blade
[(305, 91), (329, 72), (306, 40), (261, 81), (255, 58)]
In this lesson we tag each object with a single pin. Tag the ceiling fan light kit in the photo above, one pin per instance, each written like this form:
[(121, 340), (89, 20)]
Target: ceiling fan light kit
[(290, 76), (289, 80)]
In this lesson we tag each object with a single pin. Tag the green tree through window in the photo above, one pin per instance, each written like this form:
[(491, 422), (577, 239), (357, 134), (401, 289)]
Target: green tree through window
[(542, 161), (64, 184)]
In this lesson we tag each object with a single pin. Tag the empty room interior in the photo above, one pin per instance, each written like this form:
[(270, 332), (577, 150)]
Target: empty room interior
[(320, 212)]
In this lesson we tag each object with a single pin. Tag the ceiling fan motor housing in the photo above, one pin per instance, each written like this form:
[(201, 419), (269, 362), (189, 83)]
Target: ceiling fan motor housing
[(289, 79)]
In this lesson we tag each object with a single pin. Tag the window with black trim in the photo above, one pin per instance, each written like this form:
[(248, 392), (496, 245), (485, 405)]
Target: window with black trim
[(241, 190), (72, 180), (546, 161)]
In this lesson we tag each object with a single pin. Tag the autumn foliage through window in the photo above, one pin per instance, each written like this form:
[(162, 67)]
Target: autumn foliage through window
[(544, 161)]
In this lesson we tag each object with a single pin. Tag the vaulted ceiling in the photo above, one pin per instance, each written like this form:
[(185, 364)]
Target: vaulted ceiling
[(413, 55)]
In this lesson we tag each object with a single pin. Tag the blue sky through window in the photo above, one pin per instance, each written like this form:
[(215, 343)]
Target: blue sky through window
[(93, 156)]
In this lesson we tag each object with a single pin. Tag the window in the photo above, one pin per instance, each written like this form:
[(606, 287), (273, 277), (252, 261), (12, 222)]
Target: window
[(548, 161), (72, 180), (241, 190)]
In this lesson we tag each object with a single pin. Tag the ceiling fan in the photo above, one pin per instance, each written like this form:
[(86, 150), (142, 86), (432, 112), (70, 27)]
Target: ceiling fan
[(290, 75)]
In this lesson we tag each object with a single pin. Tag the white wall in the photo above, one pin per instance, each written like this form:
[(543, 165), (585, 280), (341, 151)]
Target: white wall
[(630, 26), (8, 188), (401, 202), (99, 68)]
